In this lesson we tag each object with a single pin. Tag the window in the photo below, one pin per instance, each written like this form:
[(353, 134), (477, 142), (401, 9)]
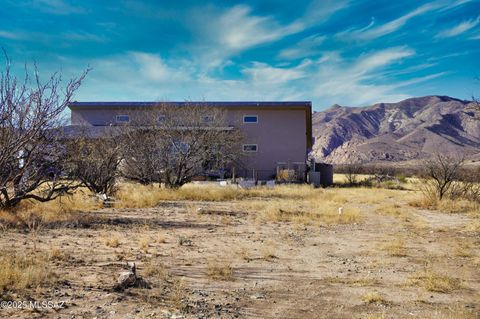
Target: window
[(122, 119), (250, 119), (180, 147), (162, 118), (249, 147), (208, 119)]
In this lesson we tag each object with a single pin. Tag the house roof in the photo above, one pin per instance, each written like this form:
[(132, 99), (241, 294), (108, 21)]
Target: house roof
[(275, 104)]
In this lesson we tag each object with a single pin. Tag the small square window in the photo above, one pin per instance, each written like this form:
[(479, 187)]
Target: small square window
[(250, 119), (122, 119), (208, 119), (249, 147), (180, 147), (162, 118)]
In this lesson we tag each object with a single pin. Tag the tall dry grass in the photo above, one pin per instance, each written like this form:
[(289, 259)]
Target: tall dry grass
[(21, 272), (434, 281), (69, 208), (132, 195), (303, 212), (301, 204)]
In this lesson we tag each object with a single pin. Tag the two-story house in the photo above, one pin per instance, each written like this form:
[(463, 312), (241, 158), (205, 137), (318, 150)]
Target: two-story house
[(277, 135)]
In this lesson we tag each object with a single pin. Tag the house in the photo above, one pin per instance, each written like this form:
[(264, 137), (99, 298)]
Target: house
[(277, 135)]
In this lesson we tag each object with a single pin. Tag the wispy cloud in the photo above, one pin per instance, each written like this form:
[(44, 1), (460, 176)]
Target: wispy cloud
[(154, 68), (59, 7), (306, 47), (264, 73), (321, 10), (371, 31), (226, 33), (370, 62), (329, 79), (351, 83), (238, 28), (458, 29), (84, 36), (455, 4), (11, 35)]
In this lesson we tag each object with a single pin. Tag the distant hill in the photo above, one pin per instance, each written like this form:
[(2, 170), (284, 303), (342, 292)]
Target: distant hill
[(411, 129)]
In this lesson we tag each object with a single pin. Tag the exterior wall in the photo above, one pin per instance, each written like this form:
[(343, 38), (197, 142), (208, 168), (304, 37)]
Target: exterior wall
[(280, 134)]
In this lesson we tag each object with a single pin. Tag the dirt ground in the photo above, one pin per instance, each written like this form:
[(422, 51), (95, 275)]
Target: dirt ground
[(216, 260)]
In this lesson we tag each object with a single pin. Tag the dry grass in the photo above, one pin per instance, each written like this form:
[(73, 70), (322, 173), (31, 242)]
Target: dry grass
[(178, 294), (394, 210), (268, 253), (58, 254), (113, 241), (396, 247), (172, 290), (66, 209), (157, 272), (342, 178), (463, 250), (355, 282), (20, 272), (137, 196), (474, 226), (245, 254), (454, 312), (144, 243), (446, 205), (220, 271), (303, 212), (161, 238), (435, 282), (373, 298)]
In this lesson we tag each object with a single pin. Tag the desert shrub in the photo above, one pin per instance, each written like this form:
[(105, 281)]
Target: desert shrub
[(286, 175), (220, 271), (402, 178), (441, 173), (373, 298)]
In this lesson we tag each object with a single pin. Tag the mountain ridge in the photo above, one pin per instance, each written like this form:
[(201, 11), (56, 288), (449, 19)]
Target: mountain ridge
[(411, 129)]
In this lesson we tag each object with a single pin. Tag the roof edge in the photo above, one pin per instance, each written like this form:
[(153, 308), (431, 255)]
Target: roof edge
[(76, 104)]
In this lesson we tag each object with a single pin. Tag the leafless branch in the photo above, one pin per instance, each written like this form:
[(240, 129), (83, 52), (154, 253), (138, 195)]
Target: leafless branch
[(31, 155)]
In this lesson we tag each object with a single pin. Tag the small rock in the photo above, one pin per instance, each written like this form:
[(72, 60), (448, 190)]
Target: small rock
[(258, 296)]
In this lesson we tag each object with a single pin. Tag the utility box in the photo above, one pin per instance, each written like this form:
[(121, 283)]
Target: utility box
[(314, 178), (326, 174)]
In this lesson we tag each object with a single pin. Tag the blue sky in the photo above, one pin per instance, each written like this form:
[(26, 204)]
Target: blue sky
[(350, 52)]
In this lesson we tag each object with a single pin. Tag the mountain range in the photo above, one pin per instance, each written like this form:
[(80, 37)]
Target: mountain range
[(412, 129)]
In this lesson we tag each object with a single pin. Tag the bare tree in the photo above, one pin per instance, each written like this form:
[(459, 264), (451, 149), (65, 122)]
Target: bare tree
[(31, 155), (171, 144), (94, 157), (144, 148), (441, 172), (351, 173)]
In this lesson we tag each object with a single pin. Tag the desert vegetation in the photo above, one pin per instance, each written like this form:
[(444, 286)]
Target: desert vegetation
[(226, 251), (113, 226)]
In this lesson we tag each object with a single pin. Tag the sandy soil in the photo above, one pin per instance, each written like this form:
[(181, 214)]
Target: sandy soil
[(280, 270)]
